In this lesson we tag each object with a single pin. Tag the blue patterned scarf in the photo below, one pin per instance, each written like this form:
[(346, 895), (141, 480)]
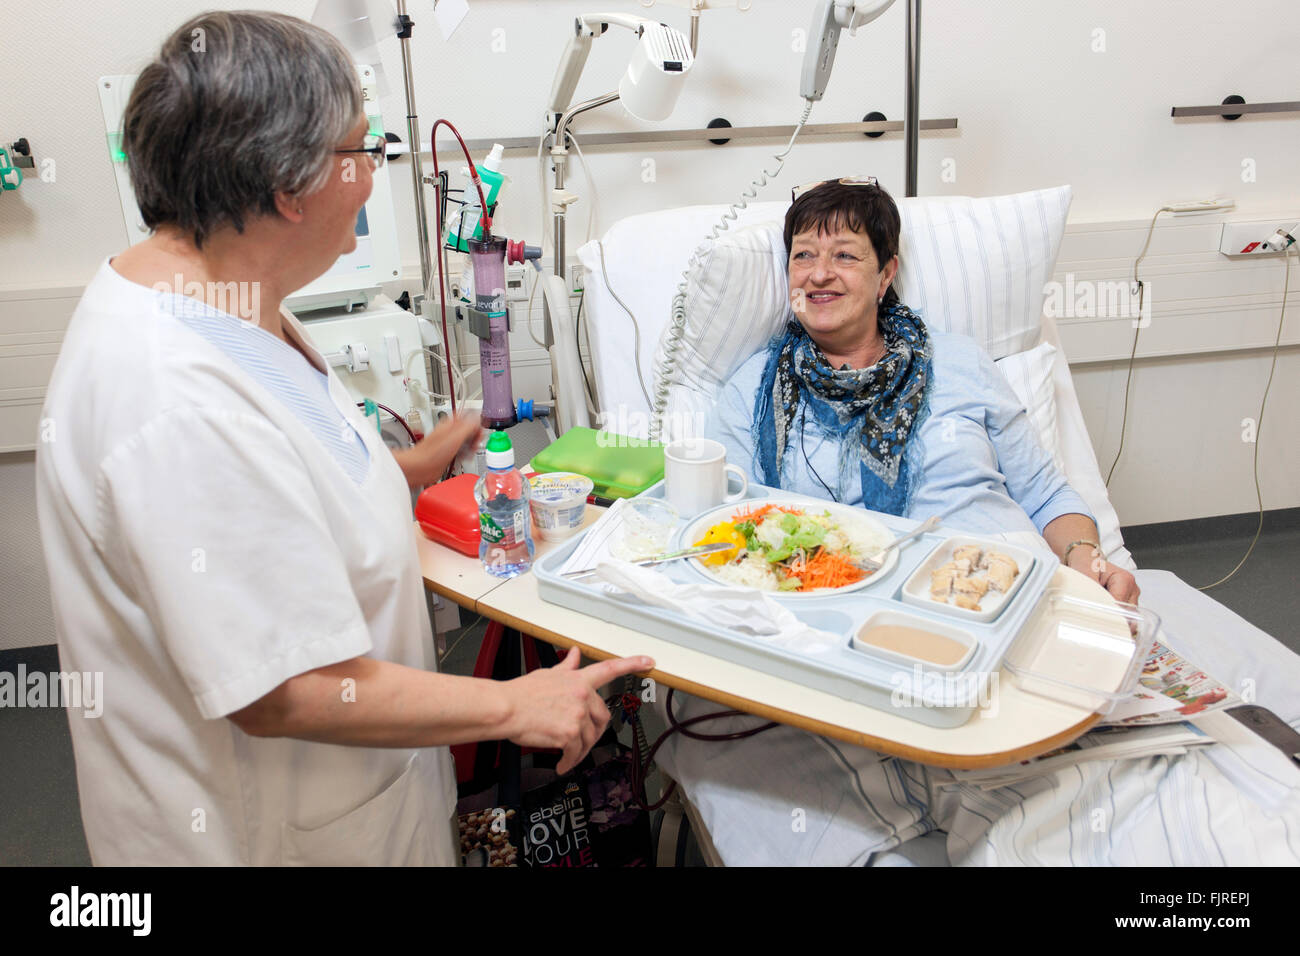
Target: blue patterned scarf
[(873, 411)]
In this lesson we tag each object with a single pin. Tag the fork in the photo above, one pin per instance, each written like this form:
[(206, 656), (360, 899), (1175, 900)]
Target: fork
[(872, 565)]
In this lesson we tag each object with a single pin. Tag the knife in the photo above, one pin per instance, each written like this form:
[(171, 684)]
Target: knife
[(662, 558)]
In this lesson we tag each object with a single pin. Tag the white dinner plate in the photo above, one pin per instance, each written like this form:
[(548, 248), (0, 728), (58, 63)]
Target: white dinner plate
[(697, 527)]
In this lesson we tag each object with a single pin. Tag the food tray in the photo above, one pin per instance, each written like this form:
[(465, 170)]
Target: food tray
[(928, 696)]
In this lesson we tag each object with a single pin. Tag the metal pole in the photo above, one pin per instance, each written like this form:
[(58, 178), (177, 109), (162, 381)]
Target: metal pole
[(560, 158), (911, 105), (561, 132), (417, 165)]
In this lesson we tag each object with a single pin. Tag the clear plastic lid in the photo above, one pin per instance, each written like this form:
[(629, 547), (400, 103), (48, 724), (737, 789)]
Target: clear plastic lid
[(1081, 652)]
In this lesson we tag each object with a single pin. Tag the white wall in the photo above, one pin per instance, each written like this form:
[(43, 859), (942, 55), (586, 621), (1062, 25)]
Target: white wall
[(1041, 98)]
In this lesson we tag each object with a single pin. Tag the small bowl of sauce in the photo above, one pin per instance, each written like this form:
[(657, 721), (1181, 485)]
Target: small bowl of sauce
[(898, 636)]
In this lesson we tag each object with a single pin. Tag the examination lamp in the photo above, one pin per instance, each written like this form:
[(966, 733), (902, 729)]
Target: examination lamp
[(654, 77)]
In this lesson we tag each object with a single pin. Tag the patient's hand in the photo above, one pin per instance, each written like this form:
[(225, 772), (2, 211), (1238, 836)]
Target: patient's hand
[(1119, 583)]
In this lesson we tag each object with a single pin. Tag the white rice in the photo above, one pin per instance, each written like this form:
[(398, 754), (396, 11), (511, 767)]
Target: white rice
[(750, 573)]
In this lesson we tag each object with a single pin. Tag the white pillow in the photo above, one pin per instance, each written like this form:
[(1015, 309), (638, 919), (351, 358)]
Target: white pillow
[(1029, 374), (972, 266), (632, 274), (978, 266)]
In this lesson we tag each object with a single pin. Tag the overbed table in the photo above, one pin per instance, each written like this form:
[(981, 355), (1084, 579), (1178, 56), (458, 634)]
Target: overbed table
[(1015, 726)]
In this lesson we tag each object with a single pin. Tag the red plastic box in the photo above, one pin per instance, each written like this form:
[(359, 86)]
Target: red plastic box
[(448, 514)]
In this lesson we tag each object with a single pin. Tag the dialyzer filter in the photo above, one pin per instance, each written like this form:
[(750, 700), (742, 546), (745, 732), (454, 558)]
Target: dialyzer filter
[(489, 258)]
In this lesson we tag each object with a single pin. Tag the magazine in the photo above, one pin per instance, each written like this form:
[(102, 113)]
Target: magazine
[(1154, 721), (1105, 742), (1170, 689)]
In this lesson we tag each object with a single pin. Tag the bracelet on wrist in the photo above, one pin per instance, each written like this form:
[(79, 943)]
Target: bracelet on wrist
[(1074, 544)]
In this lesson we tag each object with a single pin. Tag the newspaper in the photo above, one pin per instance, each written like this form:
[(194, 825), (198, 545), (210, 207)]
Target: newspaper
[(1153, 722), (1170, 689), (1102, 743)]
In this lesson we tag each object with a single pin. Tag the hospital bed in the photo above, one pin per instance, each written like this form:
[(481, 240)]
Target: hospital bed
[(972, 266)]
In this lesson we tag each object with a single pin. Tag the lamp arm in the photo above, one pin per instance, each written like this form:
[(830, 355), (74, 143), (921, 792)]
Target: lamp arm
[(585, 29)]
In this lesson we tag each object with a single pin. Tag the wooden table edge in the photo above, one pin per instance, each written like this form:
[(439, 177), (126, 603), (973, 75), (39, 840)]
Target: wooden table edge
[(929, 757), (456, 597)]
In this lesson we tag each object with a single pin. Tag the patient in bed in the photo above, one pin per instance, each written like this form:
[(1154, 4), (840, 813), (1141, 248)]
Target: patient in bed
[(858, 401)]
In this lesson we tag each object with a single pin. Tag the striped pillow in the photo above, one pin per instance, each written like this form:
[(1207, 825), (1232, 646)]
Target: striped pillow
[(978, 266)]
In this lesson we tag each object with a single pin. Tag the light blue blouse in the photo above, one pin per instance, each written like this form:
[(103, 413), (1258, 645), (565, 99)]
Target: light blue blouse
[(980, 458)]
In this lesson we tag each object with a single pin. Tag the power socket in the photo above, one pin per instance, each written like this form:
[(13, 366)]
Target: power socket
[(1245, 240), (577, 278)]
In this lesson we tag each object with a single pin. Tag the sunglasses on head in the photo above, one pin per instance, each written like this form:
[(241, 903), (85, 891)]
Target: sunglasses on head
[(798, 191)]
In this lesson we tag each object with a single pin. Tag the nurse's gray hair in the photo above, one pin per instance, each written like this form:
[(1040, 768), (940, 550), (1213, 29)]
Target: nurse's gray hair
[(237, 107)]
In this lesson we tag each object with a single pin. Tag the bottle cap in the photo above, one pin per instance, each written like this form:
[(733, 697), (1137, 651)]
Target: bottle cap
[(499, 452), (493, 161)]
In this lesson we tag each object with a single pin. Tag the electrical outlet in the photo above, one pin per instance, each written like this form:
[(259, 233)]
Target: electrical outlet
[(1242, 240), (576, 278), (517, 283)]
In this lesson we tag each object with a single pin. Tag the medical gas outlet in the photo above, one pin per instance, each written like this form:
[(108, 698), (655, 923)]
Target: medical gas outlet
[(11, 177), (1260, 238)]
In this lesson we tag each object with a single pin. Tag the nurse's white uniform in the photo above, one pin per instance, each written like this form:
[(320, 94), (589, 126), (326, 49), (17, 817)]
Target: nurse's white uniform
[(218, 517)]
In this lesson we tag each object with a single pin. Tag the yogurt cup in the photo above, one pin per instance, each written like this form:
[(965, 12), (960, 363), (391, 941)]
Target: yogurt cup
[(559, 503)]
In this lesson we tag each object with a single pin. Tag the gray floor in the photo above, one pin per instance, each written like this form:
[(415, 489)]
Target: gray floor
[(1264, 591), (41, 821)]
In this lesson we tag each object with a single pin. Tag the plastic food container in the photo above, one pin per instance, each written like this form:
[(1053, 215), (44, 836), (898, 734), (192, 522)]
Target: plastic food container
[(619, 466), (917, 588), (448, 514), (1082, 652), (914, 640), (559, 502), (648, 526)]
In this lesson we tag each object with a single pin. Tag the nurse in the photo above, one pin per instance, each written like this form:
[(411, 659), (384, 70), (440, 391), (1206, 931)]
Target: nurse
[(229, 541)]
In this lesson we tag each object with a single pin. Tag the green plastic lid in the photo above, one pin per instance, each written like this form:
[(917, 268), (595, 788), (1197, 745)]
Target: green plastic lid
[(619, 466), (499, 452)]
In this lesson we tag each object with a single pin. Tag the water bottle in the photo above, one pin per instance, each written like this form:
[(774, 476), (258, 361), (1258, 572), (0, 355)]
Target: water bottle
[(506, 546)]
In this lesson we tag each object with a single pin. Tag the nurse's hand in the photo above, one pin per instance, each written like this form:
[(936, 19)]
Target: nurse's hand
[(427, 461), (558, 708)]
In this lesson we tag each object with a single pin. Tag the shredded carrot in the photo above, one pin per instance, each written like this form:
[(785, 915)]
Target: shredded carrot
[(757, 514), (827, 570)]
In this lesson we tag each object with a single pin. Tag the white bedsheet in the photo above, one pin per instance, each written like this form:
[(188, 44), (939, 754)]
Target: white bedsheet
[(787, 797)]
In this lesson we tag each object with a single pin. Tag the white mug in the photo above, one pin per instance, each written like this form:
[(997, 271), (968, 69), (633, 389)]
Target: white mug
[(695, 475)]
